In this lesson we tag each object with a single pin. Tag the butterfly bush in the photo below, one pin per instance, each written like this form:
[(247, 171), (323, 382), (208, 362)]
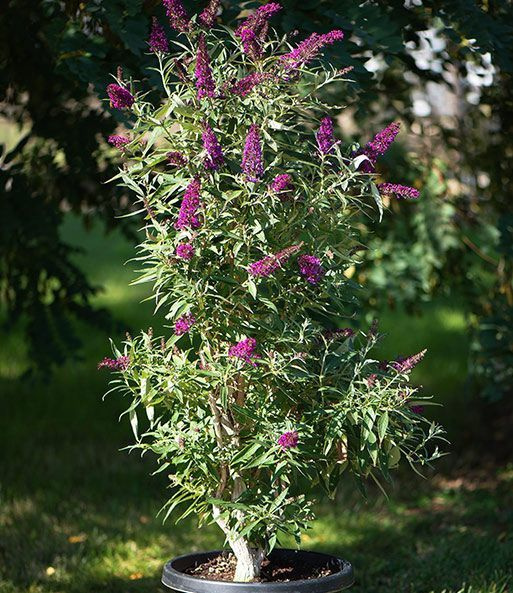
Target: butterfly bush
[(262, 389)]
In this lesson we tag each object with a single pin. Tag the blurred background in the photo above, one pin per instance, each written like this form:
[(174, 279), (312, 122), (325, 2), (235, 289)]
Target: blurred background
[(78, 515)]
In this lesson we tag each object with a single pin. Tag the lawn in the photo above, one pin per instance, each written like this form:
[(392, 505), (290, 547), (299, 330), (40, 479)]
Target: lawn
[(78, 516)]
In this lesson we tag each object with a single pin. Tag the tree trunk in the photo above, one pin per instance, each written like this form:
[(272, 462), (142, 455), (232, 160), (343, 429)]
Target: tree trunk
[(249, 561)]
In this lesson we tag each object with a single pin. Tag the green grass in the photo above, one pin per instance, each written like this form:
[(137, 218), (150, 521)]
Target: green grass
[(78, 516)]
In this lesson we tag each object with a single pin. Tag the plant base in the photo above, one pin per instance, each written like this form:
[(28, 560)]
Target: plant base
[(175, 577)]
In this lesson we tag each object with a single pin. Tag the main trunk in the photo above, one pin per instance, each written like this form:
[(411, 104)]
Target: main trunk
[(249, 561)]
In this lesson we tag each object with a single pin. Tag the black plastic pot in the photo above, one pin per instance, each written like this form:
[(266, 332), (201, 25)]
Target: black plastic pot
[(175, 579)]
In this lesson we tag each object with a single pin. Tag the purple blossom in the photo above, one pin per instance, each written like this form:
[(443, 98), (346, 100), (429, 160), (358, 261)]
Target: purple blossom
[(378, 146), (177, 15), (184, 324), (115, 364), (118, 141), (181, 70), (253, 30), (289, 439), (252, 161), (120, 98), (269, 264), (176, 158), (405, 365), (417, 409), (187, 217), (324, 136), (203, 73), (158, 40), (185, 251), (371, 380), (308, 49), (281, 183), (399, 191), (208, 17), (333, 334), (215, 158), (245, 85), (310, 267), (245, 350)]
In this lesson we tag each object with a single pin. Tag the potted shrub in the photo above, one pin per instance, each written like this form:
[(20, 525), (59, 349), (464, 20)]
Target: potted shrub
[(260, 395)]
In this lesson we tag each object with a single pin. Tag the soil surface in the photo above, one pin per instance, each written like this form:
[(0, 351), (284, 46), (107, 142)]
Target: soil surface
[(222, 568)]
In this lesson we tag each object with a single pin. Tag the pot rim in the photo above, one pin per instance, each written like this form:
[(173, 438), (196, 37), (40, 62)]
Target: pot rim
[(184, 583)]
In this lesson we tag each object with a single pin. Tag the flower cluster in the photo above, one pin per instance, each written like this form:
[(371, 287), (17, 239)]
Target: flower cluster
[(185, 251), (310, 267), (118, 141), (214, 151), (416, 409), (252, 160), (333, 334), (158, 40), (175, 158), (269, 264), (405, 365), (208, 17), (245, 350), (308, 49), (187, 217), (203, 73), (177, 15), (378, 146), (324, 136), (289, 439), (253, 31), (399, 191), (282, 184), (115, 364), (120, 98), (245, 85), (184, 324)]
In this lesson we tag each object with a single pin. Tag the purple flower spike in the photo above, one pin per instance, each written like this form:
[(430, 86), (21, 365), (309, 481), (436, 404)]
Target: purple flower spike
[(281, 183), (118, 141), (203, 73), (269, 264), (187, 217), (378, 146), (333, 334), (324, 136), (177, 159), (115, 364), (252, 160), (245, 350), (289, 440), (215, 158), (253, 31), (120, 98), (184, 324), (245, 85), (417, 409), (308, 49), (185, 251), (158, 40), (177, 15), (208, 17), (399, 191), (310, 267), (405, 365)]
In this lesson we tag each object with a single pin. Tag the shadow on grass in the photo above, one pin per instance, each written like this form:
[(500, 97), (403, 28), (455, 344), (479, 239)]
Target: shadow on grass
[(455, 535)]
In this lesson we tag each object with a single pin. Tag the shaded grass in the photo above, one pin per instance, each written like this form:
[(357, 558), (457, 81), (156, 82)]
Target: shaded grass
[(77, 515)]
